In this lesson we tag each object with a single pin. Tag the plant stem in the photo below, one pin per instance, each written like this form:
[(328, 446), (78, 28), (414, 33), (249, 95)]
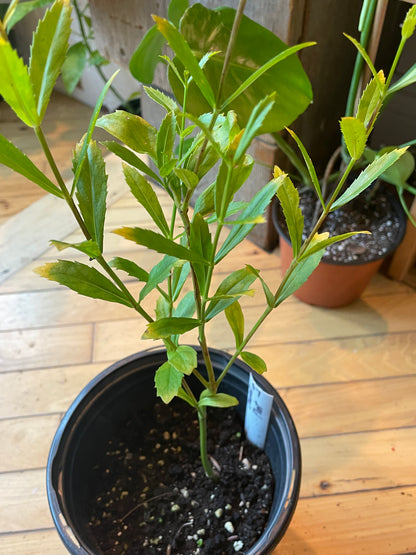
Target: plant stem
[(202, 419)]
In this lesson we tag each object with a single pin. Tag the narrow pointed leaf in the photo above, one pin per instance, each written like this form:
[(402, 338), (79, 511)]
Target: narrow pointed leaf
[(407, 79), (50, 43), (366, 57), (168, 381), (20, 10), (157, 242), (235, 318), (146, 196), (128, 156), (186, 56), (309, 165), (254, 361), (92, 191), (188, 178), (201, 243), (219, 400), (370, 99), (256, 207), (165, 139), (161, 98), (157, 274), (82, 279), (130, 268), (355, 136), (322, 240), (184, 359), (298, 276), (89, 248), (289, 200), (232, 287), (15, 85), (267, 293), (366, 177), (132, 130), (165, 327), (14, 159), (254, 125), (186, 307)]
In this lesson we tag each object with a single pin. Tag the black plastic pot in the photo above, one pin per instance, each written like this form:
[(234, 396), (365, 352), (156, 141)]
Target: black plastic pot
[(110, 399)]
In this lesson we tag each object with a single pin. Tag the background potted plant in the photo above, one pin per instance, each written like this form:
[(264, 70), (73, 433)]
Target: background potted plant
[(347, 269), (189, 246)]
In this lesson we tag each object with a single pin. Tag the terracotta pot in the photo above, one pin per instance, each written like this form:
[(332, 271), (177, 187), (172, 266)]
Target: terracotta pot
[(100, 411), (333, 285)]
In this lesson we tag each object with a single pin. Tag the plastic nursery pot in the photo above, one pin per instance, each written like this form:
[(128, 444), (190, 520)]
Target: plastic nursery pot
[(333, 285), (108, 400)]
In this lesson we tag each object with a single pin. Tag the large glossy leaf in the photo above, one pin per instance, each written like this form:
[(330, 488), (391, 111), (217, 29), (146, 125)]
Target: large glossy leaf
[(165, 327), (168, 381), (92, 191), (14, 159), (50, 43), (366, 177), (132, 130), (157, 242), (208, 30), (82, 279), (16, 86), (146, 196), (147, 55)]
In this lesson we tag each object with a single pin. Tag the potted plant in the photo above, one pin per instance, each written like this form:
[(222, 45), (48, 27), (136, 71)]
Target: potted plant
[(346, 269), (116, 417)]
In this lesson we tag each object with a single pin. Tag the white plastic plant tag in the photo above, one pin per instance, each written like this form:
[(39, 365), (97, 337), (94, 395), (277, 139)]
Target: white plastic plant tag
[(258, 409)]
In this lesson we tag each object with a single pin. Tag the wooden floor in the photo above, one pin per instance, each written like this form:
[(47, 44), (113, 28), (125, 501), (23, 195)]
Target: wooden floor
[(348, 377)]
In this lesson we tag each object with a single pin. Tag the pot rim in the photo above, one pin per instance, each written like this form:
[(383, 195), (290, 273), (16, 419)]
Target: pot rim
[(276, 525)]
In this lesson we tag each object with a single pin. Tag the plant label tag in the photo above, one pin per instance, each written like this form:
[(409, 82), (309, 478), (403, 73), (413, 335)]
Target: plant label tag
[(258, 409)]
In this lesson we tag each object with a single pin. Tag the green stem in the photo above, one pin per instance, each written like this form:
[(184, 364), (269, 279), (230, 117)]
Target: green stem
[(395, 62), (206, 463)]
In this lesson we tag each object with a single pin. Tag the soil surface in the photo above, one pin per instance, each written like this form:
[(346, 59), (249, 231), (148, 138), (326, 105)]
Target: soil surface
[(156, 499), (371, 212)]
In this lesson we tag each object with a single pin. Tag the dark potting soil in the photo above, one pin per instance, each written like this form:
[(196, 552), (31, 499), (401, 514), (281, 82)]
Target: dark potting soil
[(372, 213), (157, 499)]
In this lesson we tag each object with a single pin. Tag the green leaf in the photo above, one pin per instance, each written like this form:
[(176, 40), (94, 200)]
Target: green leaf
[(130, 268), (366, 177), (165, 327), (87, 138), (157, 274), (289, 199), (322, 240), (74, 65), (205, 203), (235, 318), (405, 80), (128, 156), (176, 10), (186, 307), (184, 359), (355, 136), (256, 207), (399, 172), (92, 191), (162, 99), (147, 55), (157, 242), (180, 273), (201, 243), (14, 159), (184, 53), (209, 31), (84, 280), (165, 139), (298, 276), (366, 57), (219, 400), (309, 165), (16, 86), (21, 10), (370, 100), (50, 43), (188, 178), (168, 381), (232, 287), (132, 130), (146, 196), (268, 294), (409, 23), (254, 125), (89, 248), (254, 361)]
